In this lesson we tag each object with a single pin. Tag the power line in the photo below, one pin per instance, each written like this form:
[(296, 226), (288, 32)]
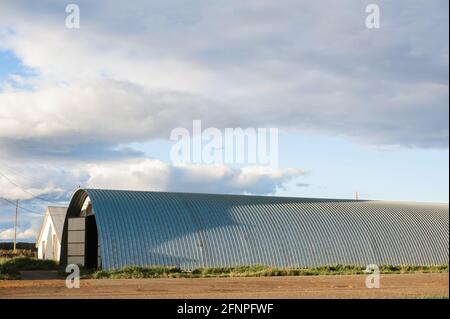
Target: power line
[(12, 171), (21, 207), (15, 225), (26, 191)]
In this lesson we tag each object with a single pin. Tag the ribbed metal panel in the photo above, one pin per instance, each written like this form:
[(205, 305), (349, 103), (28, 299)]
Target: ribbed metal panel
[(203, 230)]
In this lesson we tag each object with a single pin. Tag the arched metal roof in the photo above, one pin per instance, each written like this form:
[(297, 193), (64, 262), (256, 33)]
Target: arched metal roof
[(204, 230)]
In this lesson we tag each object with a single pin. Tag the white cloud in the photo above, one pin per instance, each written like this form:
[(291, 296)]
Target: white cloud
[(56, 184), (25, 181), (129, 75), (28, 232), (104, 110), (151, 174)]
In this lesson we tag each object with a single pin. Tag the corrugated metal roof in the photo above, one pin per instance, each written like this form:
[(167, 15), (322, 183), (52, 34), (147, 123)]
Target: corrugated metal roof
[(58, 215), (204, 230)]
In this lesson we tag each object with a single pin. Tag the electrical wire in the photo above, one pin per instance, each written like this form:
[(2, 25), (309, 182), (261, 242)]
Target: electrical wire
[(21, 207), (22, 175), (26, 191)]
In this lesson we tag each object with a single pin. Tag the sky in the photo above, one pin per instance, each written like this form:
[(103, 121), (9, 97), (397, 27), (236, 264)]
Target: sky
[(357, 109)]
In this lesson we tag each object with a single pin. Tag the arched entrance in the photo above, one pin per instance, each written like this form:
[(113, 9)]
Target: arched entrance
[(80, 244), (91, 243)]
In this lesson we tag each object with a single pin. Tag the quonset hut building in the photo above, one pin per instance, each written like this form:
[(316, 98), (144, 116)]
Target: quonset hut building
[(110, 229)]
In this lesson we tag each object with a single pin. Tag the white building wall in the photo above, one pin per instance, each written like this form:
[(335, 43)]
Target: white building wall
[(46, 242)]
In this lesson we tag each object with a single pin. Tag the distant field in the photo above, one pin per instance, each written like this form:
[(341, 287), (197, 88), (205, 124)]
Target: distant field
[(26, 246), (22, 249)]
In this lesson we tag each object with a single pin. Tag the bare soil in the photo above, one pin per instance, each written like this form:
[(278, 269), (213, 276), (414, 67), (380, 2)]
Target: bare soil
[(40, 275), (417, 285)]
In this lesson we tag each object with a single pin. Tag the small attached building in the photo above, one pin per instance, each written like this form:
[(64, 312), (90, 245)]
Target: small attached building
[(49, 240)]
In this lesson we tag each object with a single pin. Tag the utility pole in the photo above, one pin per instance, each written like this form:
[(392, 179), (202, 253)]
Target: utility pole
[(15, 225), (357, 196)]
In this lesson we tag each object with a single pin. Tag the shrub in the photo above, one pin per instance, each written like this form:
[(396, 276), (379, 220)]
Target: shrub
[(11, 267), (9, 253)]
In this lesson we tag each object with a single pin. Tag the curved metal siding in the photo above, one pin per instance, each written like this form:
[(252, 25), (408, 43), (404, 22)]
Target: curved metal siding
[(203, 230)]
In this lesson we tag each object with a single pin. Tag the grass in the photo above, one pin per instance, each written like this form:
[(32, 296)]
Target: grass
[(133, 272), (10, 267)]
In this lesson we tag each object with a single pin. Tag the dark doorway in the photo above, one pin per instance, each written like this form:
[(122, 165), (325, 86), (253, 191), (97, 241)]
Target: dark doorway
[(91, 242)]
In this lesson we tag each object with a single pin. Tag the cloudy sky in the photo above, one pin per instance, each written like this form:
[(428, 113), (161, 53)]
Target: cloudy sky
[(357, 109)]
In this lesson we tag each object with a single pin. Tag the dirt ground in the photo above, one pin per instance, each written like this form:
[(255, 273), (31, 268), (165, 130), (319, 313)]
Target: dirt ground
[(392, 286)]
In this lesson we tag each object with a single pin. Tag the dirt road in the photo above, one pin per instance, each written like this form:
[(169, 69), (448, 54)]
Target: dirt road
[(392, 286)]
